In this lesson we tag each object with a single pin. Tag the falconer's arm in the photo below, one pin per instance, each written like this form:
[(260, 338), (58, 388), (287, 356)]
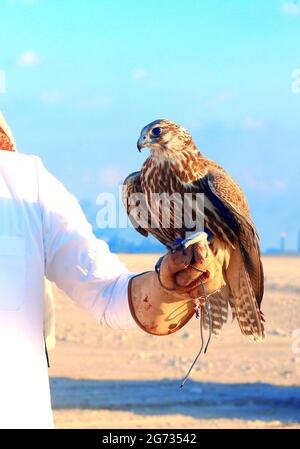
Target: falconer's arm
[(93, 277), (76, 261)]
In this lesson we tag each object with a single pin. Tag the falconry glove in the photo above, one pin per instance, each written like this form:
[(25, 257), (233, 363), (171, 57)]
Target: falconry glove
[(163, 302)]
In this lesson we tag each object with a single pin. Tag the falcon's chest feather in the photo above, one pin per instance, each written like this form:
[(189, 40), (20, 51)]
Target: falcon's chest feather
[(157, 177), (172, 175)]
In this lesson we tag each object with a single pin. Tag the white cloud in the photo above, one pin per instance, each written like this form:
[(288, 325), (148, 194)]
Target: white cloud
[(259, 183), (254, 123), (112, 176), (296, 83), (139, 74), (28, 59), (95, 102), (291, 8), (52, 98), (222, 97), (195, 124)]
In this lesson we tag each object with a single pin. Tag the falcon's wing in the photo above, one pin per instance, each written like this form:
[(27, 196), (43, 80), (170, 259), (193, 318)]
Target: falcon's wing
[(245, 272), (131, 189), (228, 196), (135, 203)]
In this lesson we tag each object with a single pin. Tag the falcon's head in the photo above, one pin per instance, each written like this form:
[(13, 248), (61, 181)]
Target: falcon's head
[(164, 138)]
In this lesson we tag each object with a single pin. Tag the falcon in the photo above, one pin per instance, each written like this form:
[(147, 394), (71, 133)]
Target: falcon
[(176, 166)]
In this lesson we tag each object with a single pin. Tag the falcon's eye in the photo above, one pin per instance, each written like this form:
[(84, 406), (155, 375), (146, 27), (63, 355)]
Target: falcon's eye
[(156, 132)]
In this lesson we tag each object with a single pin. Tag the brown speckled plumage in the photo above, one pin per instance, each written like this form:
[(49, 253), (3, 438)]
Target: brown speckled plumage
[(176, 165)]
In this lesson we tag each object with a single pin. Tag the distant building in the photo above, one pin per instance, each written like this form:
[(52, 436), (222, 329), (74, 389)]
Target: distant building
[(282, 247), (283, 237)]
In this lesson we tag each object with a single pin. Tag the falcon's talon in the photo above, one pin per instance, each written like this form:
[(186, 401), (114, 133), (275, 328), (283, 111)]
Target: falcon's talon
[(184, 244), (179, 244)]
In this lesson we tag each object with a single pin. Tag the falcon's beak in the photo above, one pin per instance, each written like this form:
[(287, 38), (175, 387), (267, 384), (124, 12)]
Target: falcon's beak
[(143, 142)]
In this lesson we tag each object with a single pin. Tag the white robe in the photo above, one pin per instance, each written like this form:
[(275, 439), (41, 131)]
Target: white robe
[(43, 232)]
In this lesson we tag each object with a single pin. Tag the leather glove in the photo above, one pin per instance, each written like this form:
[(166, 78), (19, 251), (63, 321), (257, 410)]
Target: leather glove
[(162, 303)]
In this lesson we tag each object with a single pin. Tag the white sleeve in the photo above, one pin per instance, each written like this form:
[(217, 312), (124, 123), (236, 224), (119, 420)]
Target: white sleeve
[(79, 263)]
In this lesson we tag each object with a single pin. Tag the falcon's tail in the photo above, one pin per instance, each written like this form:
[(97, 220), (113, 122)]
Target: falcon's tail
[(219, 310), (244, 299)]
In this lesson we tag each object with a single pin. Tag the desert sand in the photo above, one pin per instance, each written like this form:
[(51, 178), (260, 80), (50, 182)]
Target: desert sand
[(106, 378)]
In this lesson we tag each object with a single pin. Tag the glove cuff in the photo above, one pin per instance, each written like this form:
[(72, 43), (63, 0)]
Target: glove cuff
[(155, 310)]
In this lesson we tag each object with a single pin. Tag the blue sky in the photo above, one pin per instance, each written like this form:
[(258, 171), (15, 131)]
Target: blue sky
[(82, 79)]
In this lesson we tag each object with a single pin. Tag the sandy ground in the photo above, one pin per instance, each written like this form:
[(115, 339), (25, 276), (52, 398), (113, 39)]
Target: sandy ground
[(105, 378)]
